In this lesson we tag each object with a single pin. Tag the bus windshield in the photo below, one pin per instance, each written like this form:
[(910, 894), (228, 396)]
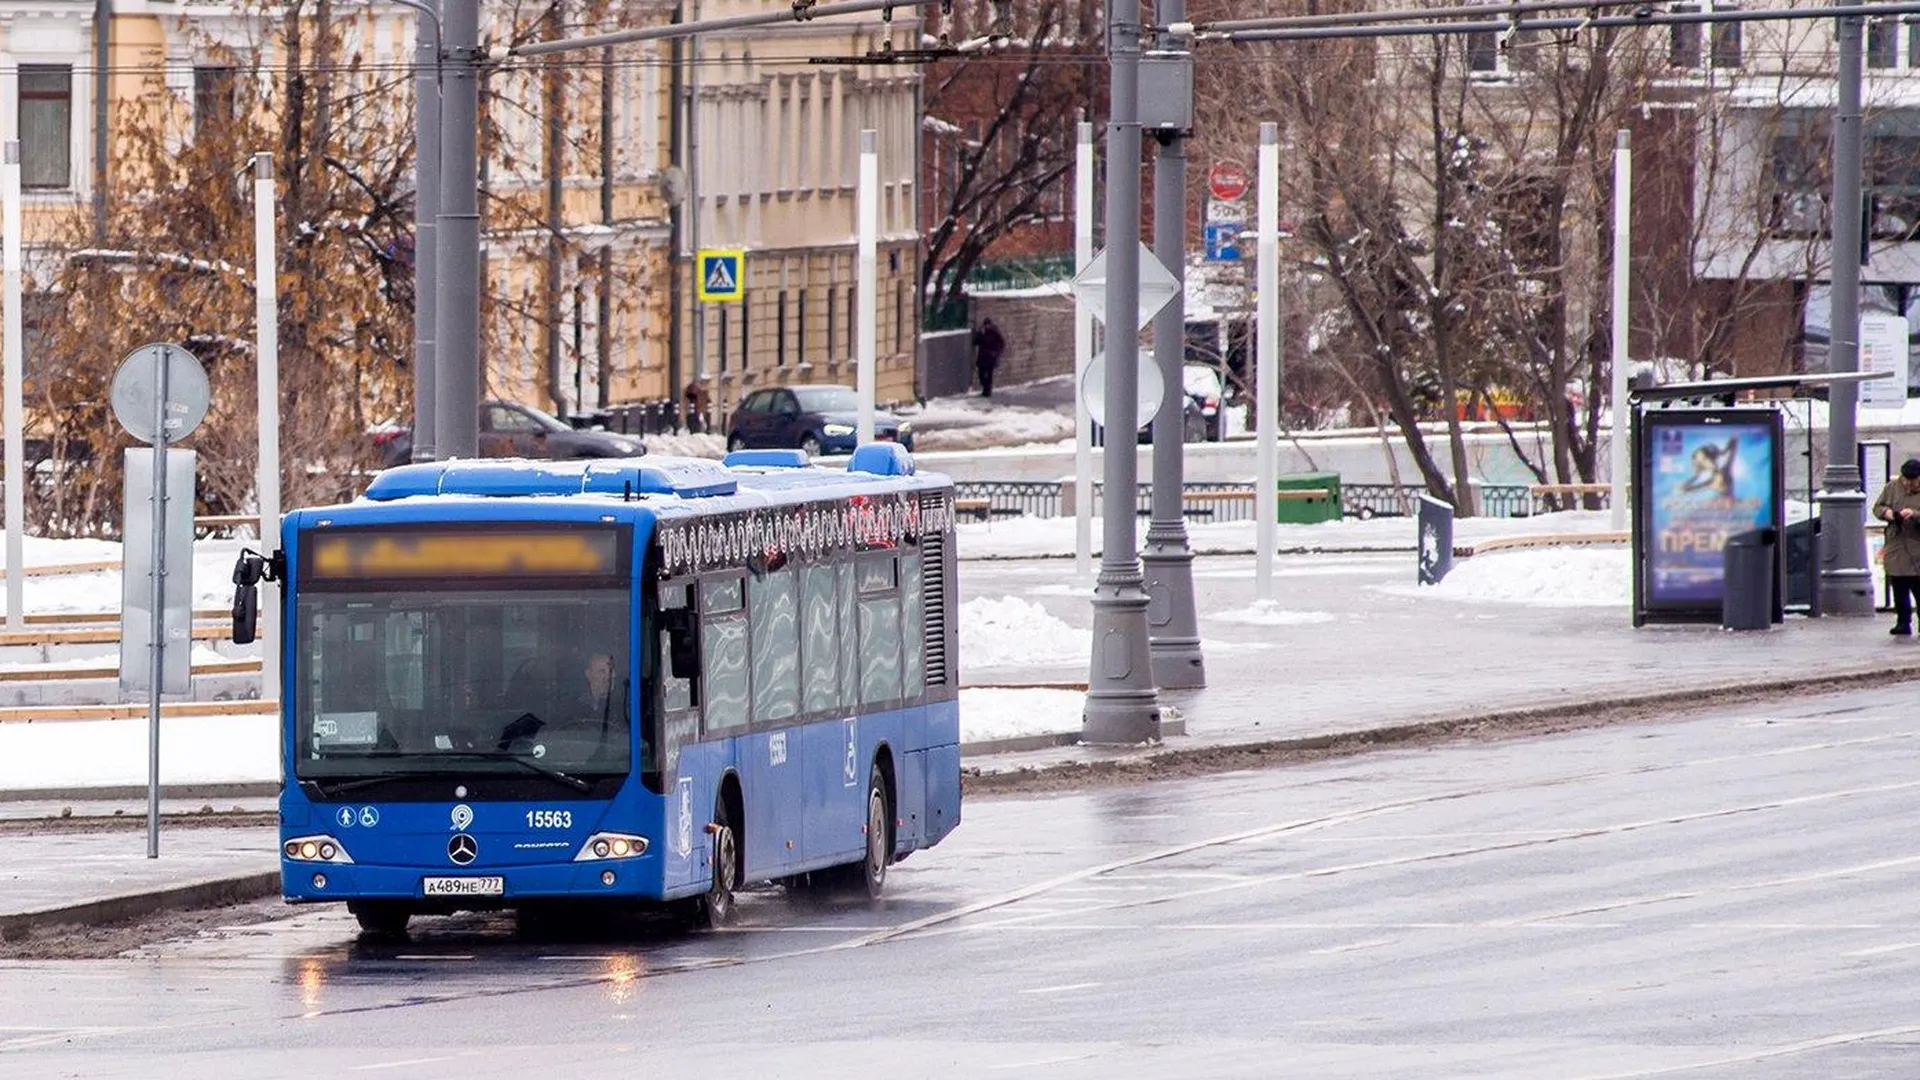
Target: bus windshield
[(460, 682)]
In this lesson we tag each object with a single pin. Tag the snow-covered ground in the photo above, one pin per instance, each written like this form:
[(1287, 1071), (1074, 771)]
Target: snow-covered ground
[(1028, 537), (973, 423)]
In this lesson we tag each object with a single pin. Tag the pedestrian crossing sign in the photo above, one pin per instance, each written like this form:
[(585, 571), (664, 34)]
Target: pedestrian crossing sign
[(721, 279)]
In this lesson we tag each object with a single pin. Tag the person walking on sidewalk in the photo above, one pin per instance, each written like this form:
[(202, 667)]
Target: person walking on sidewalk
[(988, 344), (1899, 506)]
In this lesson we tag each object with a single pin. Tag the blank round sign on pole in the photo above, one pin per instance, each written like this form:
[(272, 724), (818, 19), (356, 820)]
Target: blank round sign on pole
[(1151, 388), (136, 384)]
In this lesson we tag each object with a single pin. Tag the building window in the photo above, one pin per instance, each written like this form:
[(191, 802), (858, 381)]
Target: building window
[(46, 126), (1483, 52), (746, 335), (899, 315), (1883, 43), (831, 340), (1683, 39), (214, 97), (1726, 44), (779, 331), (800, 326)]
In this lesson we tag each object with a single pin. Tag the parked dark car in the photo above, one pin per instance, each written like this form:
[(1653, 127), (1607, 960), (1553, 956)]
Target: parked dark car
[(509, 429), (817, 419)]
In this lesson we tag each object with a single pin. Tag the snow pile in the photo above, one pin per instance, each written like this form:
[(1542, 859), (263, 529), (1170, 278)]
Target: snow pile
[(1548, 577), (688, 445), (993, 713), (1270, 613), (113, 753), (973, 423), (1007, 631)]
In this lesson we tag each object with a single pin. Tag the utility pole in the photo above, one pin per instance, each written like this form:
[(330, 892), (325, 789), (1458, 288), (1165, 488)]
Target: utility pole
[(457, 296), (426, 254), (1172, 619), (1846, 586), (1618, 457), (1123, 705)]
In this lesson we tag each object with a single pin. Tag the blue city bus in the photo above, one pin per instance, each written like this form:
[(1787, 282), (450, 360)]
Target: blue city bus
[(510, 684)]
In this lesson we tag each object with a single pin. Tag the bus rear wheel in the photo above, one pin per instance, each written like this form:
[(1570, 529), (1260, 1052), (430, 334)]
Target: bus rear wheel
[(384, 919), (868, 877)]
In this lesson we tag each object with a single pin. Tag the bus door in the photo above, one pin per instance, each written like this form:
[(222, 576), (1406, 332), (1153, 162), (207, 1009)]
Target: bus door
[(687, 780), (770, 759), (837, 760)]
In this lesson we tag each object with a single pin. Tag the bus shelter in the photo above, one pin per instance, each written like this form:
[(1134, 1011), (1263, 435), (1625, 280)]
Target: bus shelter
[(1709, 468)]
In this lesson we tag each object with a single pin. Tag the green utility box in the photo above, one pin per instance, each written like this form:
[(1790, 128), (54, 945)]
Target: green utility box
[(1316, 498)]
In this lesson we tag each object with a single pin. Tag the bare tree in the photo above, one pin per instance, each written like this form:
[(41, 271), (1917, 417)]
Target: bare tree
[(1000, 121), (177, 266)]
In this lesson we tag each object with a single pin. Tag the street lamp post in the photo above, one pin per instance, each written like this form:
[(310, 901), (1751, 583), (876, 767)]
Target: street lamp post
[(1122, 702)]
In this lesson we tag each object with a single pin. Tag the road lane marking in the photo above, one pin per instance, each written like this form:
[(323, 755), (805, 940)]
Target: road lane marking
[(1767, 1052), (1353, 946), (1062, 989), (1882, 949), (402, 1064)]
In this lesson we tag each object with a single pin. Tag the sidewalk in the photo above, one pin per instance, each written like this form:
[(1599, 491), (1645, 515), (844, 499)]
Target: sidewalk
[(1349, 647)]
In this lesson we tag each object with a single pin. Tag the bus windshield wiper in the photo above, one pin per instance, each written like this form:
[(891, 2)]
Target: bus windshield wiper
[(524, 762), (359, 782)]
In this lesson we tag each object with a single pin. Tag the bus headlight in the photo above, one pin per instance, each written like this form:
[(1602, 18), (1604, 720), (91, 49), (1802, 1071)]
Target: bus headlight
[(315, 849), (610, 845)]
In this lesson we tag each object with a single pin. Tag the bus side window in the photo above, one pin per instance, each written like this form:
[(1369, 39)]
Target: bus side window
[(723, 653), (914, 632), (879, 632), (819, 639)]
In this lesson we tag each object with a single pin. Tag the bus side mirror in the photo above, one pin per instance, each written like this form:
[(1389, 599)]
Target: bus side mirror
[(683, 651), (248, 571), (246, 599)]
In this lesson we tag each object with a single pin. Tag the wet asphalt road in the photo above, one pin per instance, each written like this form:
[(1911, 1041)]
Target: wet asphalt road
[(1728, 896)]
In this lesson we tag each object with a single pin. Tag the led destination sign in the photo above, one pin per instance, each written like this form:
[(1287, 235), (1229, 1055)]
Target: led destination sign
[(442, 553)]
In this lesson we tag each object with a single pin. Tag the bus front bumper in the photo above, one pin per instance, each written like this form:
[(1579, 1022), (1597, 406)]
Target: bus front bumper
[(311, 882)]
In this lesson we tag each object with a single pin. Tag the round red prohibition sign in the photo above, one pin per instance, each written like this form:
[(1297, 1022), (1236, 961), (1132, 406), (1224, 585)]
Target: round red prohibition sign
[(1228, 180)]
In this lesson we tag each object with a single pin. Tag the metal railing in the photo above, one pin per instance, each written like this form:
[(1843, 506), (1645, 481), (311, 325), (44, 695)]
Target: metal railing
[(1046, 498)]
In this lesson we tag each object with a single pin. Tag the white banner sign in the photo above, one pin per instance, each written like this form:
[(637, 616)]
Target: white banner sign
[(1883, 348)]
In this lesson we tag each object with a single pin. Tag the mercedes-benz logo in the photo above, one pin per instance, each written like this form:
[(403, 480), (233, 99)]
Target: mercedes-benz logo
[(462, 849)]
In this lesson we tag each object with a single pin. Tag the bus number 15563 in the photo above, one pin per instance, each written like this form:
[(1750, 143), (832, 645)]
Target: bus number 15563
[(549, 819)]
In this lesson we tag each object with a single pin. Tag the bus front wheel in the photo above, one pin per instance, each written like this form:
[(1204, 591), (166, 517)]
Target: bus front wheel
[(715, 908), (381, 919)]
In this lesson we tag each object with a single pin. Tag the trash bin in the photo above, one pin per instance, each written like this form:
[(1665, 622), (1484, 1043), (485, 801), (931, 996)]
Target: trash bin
[(1307, 509), (1802, 541), (1747, 566)]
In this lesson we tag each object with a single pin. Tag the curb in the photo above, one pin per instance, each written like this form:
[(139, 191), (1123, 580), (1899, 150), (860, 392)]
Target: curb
[(213, 892), (1049, 741), (1145, 757), (251, 790)]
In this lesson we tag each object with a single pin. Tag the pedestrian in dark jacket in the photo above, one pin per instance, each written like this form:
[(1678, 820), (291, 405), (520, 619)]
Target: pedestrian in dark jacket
[(988, 344), (695, 405), (1899, 506)]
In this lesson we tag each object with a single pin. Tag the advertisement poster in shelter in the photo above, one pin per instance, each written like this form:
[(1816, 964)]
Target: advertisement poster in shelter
[(1706, 475)]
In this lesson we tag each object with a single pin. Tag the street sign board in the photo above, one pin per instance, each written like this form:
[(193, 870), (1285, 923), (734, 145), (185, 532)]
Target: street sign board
[(1228, 180), (1148, 391), (1223, 241), (1221, 210), (1157, 286), (1883, 348), (722, 277), (136, 385)]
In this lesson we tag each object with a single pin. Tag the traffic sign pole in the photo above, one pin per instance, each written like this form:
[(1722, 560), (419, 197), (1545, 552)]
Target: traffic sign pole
[(1173, 621), (157, 636)]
